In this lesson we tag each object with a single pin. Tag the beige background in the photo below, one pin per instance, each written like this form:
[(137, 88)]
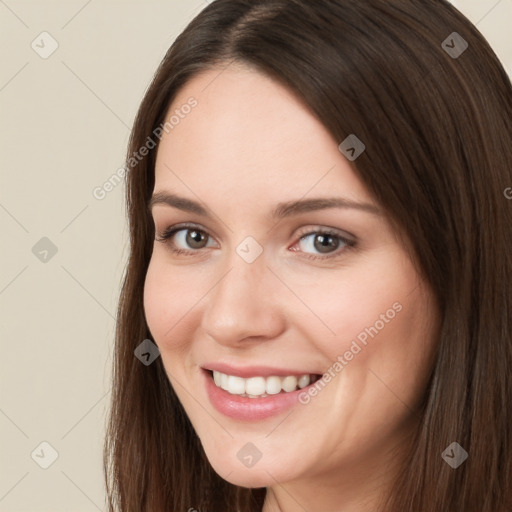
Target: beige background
[(64, 126)]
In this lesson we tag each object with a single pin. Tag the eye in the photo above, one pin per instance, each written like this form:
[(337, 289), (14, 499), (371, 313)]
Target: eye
[(328, 243), (184, 239), (188, 240)]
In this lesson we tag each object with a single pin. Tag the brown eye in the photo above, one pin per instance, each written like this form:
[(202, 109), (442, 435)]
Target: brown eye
[(319, 242), (185, 239), (324, 243), (195, 239)]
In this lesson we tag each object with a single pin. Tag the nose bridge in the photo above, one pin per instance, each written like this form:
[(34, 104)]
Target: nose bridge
[(247, 269), (240, 305), (243, 283)]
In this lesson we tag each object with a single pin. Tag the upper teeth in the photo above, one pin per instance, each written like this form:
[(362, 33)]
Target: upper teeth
[(259, 386)]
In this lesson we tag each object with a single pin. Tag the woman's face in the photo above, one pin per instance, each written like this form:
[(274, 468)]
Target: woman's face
[(273, 285)]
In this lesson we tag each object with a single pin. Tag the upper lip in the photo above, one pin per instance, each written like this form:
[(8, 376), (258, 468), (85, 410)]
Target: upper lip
[(254, 371)]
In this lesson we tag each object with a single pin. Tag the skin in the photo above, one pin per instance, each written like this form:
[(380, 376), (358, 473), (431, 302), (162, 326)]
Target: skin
[(247, 145)]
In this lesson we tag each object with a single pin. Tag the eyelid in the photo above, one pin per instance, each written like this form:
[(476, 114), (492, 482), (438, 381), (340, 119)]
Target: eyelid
[(302, 232), (166, 234), (350, 243), (348, 239), (330, 230)]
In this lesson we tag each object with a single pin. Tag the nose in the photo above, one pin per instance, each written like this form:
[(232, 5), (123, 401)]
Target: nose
[(246, 303)]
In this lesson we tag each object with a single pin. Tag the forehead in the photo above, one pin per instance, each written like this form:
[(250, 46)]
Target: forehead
[(248, 133)]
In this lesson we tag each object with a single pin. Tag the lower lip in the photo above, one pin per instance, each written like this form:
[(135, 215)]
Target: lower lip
[(249, 409)]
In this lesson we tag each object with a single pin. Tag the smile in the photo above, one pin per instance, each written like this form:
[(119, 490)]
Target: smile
[(261, 387), (258, 394)]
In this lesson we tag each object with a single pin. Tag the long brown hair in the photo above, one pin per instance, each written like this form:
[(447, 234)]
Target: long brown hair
[(434, 111)]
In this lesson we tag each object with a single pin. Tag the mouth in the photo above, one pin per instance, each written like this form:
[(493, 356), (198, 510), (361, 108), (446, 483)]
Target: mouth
[(258, 395), (259, 386)]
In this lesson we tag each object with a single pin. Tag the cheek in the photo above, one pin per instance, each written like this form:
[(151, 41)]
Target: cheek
[(386, 356), (379, 319), (169, 297), (363, 302)]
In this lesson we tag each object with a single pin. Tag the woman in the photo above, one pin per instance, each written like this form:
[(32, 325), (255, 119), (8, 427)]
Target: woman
[(318, 289)]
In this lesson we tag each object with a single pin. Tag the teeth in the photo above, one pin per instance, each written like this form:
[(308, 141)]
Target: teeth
[(260, 387), (273, 385), (290, 383), (236, 385), (224, 381), (303, 381), (253, 386)]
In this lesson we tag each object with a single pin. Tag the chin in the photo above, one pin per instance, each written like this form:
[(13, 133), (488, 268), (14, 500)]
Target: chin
[(251, 478), (234, 472)]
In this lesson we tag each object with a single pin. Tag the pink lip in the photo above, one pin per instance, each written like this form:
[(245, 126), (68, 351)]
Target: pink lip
[(249, 409), (253, 371)]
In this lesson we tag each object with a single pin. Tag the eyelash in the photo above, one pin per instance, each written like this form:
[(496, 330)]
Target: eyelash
[(172, 230)]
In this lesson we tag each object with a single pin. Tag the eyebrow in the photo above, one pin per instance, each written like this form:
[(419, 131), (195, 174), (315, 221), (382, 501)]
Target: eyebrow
[(281, 210)]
